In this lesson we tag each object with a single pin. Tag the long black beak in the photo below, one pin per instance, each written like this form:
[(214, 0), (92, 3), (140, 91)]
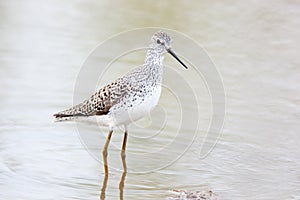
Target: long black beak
[(176, 57)]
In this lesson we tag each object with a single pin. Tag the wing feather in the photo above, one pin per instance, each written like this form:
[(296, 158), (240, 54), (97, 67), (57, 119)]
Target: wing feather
[(98, 104)]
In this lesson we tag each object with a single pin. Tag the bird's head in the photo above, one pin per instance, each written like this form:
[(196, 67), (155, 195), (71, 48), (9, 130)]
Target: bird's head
[(161, 43)]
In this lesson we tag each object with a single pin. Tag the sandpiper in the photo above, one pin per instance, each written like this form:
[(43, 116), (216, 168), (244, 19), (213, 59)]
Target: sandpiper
[(128, 98)]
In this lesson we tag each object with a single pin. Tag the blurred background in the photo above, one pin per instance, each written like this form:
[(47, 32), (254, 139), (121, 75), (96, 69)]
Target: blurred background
[(254, 45)]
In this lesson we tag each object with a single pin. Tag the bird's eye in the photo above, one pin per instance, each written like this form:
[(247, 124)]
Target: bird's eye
[(160, 42)]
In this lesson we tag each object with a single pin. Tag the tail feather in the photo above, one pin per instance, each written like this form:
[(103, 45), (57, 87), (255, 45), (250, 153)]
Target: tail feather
[(60, 115), (85, 109), (76, 111), (98, 104)]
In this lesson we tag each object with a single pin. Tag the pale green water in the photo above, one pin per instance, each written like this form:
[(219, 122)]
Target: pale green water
[(255, 47)]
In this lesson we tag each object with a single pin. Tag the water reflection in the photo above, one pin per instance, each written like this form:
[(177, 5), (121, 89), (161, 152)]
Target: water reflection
[(103, 189), (105, 165), (121, 184)]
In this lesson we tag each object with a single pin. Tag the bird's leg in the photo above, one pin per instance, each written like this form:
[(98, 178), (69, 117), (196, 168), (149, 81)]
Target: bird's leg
[(104, 152), (123, 154)]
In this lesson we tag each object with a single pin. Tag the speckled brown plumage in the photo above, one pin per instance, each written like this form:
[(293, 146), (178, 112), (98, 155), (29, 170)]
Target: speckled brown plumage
[(98, 104)]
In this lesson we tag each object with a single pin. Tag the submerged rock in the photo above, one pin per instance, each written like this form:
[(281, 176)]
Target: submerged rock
[(197, 195)]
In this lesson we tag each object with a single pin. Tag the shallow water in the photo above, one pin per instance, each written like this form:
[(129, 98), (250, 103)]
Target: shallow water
[(255, 47)]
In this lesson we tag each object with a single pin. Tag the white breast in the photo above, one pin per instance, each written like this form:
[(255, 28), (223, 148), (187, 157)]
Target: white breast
[(134, 108)]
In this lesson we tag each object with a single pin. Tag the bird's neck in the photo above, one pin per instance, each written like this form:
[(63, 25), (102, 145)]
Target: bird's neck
[(154, 58), (153, 66)]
